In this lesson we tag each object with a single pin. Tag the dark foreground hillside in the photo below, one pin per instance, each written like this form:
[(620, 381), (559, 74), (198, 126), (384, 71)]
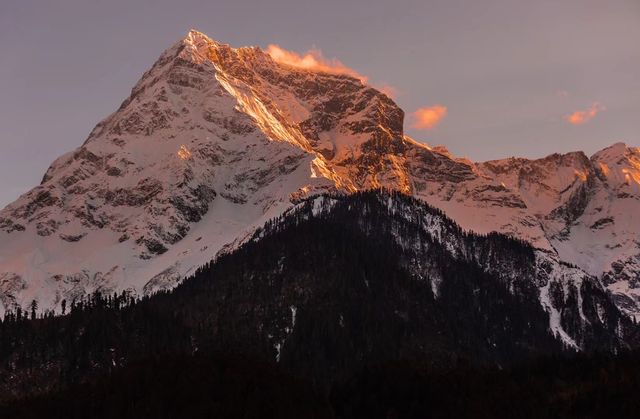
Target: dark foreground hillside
[(372, 305), (596, 386)]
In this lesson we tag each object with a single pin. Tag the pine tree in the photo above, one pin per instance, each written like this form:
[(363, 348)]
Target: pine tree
[(34, 307)]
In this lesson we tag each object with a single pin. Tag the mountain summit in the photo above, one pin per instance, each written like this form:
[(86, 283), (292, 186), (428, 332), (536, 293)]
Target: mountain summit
[(213, 141)]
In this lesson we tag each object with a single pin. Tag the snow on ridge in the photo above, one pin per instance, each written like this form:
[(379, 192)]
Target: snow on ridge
[(214, 141)]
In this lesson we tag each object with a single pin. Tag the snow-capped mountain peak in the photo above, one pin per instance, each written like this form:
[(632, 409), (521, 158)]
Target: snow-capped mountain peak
[(214, 140), (589, 209), (619, 166)]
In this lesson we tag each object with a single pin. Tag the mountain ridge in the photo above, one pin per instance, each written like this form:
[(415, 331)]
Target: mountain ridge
[(332, 285), (214, 141)]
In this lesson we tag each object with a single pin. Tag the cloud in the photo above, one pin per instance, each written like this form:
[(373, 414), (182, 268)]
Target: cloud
[(387, 89), (428, 117), (581, 117), (312, 60)]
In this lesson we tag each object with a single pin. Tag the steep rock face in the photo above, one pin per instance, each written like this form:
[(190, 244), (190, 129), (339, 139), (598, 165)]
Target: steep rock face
[(214, 140), (476, 201), (177, 157), (589, 208), (217, 139)]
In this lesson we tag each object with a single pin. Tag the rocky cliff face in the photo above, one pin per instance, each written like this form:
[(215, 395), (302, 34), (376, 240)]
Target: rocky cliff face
[(215, 140), (589, 209)]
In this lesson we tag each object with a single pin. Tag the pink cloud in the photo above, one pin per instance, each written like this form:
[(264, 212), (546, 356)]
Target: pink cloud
[(314, 60), (428, 117), (584, 116)]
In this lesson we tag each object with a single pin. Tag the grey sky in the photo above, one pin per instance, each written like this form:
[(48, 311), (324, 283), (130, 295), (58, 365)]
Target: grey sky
[(498, 65)]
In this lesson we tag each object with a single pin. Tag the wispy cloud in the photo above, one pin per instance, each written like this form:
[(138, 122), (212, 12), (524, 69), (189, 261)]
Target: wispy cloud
[(312, 60), (584, 116), (387, 89), (428, 117)]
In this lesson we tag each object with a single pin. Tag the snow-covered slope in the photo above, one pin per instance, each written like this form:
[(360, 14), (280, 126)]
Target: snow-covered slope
[(589, 209), (158, 187), (214, 140), (578, 307)]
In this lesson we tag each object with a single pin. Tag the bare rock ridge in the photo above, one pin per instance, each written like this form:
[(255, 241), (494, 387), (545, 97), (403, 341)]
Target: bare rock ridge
[(589, 209), (214, 140)]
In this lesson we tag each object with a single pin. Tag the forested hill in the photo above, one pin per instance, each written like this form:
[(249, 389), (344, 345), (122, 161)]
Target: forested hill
[(336, 285)]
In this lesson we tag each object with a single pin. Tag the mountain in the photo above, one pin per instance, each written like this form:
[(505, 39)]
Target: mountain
[(334, 285), (214, 141), (589, 209)]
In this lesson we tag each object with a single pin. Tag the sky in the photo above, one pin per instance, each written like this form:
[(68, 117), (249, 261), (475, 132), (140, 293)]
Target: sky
[(488, 79)]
